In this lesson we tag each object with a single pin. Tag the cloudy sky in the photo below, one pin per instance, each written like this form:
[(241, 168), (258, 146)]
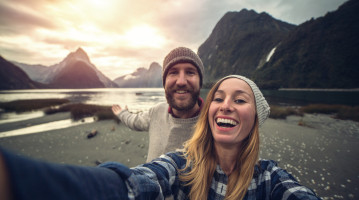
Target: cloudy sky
[(123, 35)]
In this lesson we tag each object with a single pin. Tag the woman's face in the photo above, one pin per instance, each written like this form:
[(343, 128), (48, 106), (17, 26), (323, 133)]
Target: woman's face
[(232, 112)]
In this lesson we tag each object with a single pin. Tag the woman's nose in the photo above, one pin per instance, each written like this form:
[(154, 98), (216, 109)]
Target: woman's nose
[(226, 105)]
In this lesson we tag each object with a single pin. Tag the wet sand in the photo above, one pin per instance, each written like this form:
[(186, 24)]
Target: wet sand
[(322, 153)]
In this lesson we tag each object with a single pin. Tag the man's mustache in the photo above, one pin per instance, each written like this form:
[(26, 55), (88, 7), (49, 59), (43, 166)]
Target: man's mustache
[(180, 88)]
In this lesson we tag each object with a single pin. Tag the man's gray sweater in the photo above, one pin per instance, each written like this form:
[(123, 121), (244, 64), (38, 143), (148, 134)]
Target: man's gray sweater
[(166, 133)]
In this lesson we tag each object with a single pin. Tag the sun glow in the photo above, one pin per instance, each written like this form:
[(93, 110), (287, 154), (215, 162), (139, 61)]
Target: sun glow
[(144, 36)]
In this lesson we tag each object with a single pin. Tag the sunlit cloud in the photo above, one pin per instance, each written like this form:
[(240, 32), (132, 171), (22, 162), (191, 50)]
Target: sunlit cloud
[(123, 35), (143, 36)]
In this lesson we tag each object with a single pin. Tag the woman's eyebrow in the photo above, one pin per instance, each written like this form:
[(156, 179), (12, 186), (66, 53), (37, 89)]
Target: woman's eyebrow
[(242, 92), (236, 92), (219, 91)]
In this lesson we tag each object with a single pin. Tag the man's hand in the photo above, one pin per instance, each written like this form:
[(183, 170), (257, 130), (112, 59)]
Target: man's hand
[(116, 109)]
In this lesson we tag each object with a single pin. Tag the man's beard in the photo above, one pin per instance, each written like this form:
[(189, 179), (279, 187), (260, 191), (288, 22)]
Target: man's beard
[(182, 106)]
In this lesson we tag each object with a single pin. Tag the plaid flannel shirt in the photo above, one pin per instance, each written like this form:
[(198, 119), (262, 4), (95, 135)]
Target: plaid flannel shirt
[(159, 180)]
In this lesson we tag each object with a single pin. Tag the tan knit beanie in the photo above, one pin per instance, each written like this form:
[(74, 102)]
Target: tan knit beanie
[(262, 106), (182, 55)]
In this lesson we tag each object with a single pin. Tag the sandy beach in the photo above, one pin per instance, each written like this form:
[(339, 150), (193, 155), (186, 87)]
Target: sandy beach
[(322, 152)]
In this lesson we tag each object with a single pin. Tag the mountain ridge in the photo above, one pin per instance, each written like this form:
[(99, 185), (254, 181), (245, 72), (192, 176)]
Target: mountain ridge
[(13, 77), (142, 77), (320, 53), (49, 75), (239, 43)]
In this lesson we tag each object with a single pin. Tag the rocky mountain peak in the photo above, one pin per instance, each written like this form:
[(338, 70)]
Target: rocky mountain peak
[(79, 54), (155, 66)]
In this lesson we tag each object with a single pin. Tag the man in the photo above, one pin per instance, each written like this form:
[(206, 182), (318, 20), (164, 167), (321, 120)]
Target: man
[(170, 124)]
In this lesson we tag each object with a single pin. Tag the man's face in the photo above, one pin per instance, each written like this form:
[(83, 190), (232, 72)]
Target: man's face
[(182, 86)]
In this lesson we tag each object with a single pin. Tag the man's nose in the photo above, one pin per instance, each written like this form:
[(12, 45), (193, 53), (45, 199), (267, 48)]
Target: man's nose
[(182, 79)]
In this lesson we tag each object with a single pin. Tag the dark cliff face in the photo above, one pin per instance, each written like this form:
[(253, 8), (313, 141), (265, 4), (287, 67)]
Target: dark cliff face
[(77, 74), (12, 77), (321, 53), (240, 43), (142, 77)]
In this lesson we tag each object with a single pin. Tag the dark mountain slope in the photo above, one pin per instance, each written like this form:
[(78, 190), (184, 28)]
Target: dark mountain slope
[(12, 77), (240, 43), (321, 53)]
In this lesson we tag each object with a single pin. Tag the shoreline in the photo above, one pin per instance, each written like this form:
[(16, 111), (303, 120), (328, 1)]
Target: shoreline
[(321, 154), (320, 89), (113, 142)]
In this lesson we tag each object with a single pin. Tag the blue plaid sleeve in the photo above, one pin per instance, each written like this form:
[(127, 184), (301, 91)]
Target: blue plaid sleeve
[(155, 180), (284, 186)]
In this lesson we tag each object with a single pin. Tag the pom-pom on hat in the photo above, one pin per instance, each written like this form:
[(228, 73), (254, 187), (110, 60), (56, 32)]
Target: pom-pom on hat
[(262, 106), (182, 55)]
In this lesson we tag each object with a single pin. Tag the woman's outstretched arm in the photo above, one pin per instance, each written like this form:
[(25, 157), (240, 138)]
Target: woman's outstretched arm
[(4, 181), (25, 178)]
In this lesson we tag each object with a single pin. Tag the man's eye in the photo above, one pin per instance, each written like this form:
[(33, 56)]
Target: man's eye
[(172, 72)]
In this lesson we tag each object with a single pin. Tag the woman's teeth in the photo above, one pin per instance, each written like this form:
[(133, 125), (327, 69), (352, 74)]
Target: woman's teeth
[(226, 122)]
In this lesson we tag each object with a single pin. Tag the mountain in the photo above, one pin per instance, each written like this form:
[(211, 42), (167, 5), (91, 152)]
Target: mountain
[(142, 77), (240, 43), (50, 75), (37, 73), (12, 77), (77, 74), (320, 53)]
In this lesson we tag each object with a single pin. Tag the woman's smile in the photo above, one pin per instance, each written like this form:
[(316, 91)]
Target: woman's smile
[(226, 123)]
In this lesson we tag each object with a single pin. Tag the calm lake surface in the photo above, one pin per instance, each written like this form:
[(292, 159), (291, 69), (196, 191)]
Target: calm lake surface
[(141, 99), (144, 98)]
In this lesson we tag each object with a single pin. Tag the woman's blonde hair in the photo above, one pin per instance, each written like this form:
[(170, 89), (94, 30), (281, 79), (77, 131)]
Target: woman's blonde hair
[(202, 160)]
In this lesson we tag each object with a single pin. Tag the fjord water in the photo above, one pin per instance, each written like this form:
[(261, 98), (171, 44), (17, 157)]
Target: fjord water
[(141, 99), (136, 98)]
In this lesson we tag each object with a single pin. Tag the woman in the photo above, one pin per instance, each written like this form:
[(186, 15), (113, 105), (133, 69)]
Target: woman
[(220, 161)]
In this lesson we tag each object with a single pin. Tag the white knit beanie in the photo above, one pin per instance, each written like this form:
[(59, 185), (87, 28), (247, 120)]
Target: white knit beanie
[(182, 55), (262, 106)]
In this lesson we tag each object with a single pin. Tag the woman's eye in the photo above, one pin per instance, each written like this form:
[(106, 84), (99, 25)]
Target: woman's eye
[(218, 99), (239, 101)]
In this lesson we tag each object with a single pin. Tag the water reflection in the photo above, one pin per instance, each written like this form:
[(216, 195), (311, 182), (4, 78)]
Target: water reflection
[(135, 98), (46, 127), (14, 117)]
